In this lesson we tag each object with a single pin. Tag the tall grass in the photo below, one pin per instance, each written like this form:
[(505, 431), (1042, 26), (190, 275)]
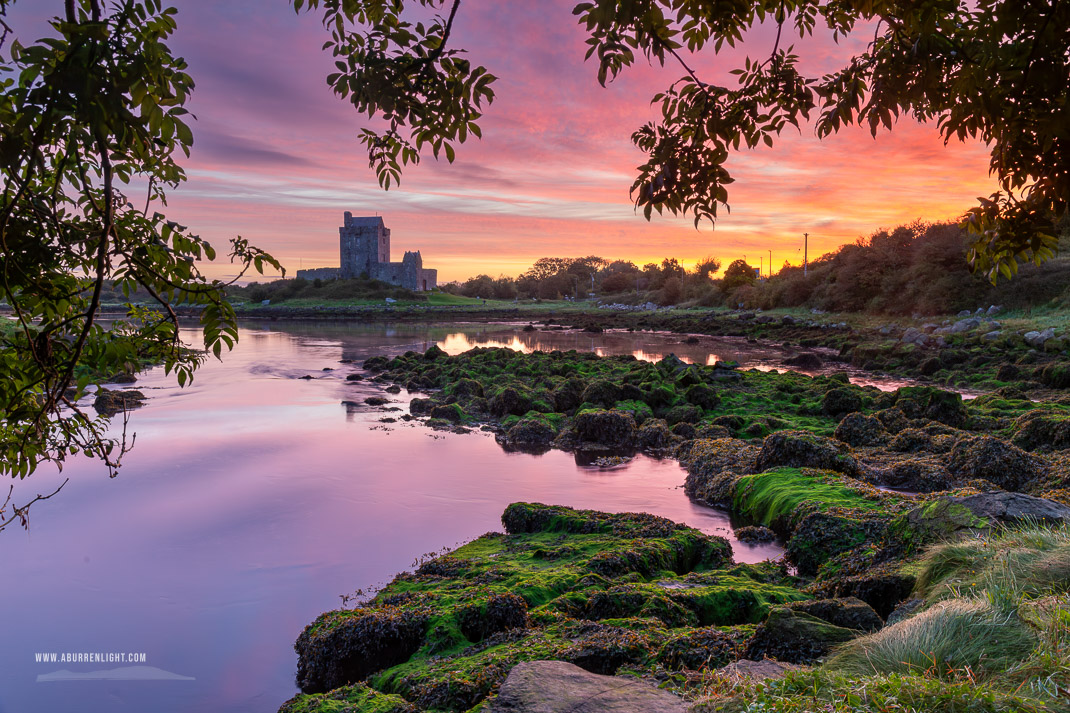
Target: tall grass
[(954, 638)]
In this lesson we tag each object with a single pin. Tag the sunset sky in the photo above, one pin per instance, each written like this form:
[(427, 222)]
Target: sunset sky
[(276, 158)]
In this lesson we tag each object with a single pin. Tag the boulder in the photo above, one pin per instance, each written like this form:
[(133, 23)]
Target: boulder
[(912, 335), (531, 432), (965, 325), (848, 612), (346, 646), (755, 534), (994, 460), (802, 449), (655, 434), (108, 403), (917, 476), (857, 429), (560, 687), (991, 336), (602, 393), (1014, 507), (608, 428), (1041, 430), (795, 637), (1038, 339), (837, 402), (933, 404), (509, 401), (807, 361)]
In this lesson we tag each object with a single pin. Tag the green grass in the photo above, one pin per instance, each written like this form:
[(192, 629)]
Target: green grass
[(950, 638)]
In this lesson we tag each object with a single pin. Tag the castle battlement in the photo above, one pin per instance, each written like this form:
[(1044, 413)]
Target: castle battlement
[(364, 251)]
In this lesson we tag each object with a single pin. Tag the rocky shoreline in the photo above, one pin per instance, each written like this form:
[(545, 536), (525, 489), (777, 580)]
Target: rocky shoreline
[(861, 486)]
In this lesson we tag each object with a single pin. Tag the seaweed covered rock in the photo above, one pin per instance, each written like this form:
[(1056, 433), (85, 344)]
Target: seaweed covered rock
[(755, 534), (531, 431), (802, 449), (848, 612), (703, 396), (601, 393), (465, 389), (509, 401), (109, 402), (795, 637), (883, 588), (713, 467), (654, 434), (358, 697), (344, 647), (917, 476), (932, 403), (603, 649), (1042, 430), (819, 536), (498, 612), (858, 429), (892, 419), (806, 360), (996, 461), (711, 431), (842, 400), (421, 407), (699, 649), (685, 413), (607, 428), (449, 412), (912, 440), (569, 394)]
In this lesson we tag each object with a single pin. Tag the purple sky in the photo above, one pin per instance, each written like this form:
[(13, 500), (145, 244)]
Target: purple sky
[(276, 158)]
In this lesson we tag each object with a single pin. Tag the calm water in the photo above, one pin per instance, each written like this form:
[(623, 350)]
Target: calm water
[(253, 499)]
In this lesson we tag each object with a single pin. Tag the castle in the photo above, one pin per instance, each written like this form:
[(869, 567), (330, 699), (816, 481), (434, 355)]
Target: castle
[(364, 250)]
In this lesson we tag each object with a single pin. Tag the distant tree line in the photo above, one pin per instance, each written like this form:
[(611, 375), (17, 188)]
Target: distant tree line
[(920, 267), (553, 278)]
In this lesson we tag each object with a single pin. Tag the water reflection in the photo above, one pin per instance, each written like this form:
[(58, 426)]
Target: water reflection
[(254, 498)]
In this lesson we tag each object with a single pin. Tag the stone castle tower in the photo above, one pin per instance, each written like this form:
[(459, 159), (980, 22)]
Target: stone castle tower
[(364, 244), (364, 251)]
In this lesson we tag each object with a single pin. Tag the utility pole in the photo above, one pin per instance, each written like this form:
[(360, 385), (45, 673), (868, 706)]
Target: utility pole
[(806, 241), (761, 265), (770, 263)]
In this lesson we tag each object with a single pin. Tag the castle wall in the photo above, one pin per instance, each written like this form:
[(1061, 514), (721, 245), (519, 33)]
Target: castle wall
[(364, 249), (320, 273)]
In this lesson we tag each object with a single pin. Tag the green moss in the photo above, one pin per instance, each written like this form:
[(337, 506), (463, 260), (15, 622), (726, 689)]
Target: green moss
[(784, 494), (358, 697)]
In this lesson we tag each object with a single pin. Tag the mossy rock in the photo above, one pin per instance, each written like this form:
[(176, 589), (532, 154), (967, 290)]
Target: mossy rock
[(839, 401), (802, 449), (602, 393), (858, 429), (932, 403), (453, 413), (795, 637), (358, 698), (654, 434), (608, 428), (344, 647), (496, 613), (685, 413), (996, 461), (703, 396), (510, 401)]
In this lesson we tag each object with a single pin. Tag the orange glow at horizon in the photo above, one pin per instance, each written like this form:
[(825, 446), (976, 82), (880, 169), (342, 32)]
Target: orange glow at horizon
[(277, 161)]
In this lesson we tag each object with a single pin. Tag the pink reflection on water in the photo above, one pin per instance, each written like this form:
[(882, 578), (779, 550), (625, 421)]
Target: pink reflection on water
[(253, 498)]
